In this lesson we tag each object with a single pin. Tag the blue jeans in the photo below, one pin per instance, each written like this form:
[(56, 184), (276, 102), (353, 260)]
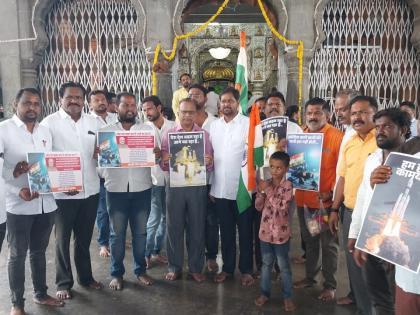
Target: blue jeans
[(102, 218), (156, 225), (269, 252), (128, 208)]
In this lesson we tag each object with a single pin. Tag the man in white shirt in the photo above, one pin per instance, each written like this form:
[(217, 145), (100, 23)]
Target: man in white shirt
[(98, 104), (392, 128), (204, 120), (128, 194), (276, 106), (30, 216), (2, 203), (342, 113), (73, 130), (213, 102), (229, 136), (410, 108), (156, 224)]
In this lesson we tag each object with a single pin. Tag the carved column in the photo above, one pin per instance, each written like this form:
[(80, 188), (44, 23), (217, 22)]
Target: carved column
[(415, 37), (300, 27), (9, 54), (159, 30)]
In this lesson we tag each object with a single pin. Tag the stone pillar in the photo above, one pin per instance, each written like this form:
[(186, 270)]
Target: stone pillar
[(159, 30), (29, 76), (415, 37), (300, 27), (10, 66)]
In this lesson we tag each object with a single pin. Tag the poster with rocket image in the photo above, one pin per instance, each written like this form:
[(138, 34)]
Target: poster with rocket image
[(274, 129), (187, 164), (391, 226)]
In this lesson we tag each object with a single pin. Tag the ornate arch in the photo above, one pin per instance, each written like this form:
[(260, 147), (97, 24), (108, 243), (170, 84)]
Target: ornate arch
[(277, 12)]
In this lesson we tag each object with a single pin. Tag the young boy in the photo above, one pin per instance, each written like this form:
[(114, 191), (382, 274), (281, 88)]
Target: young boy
[(273, 199)]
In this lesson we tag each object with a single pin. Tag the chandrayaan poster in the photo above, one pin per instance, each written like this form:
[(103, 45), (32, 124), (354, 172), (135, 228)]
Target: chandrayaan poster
[(391, 226), (55, 172), (305, 151), (126, 149), (187, 164), (274, 129)]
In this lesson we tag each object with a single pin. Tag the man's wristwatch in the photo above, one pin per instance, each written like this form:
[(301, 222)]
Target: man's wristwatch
[(334, 210)]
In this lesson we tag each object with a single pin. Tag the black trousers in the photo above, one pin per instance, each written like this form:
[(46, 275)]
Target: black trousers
[(77, 216), (229, 218), (28, 232), (212, 231), (380, 280), (2, 233)]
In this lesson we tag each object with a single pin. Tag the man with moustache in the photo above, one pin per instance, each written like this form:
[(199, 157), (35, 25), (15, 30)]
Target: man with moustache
[(30, 216), (73, 130), (98, 105), (276, 106), (229, 136), (181, 93), (156, 224), (186, 205), (128, 192), (326, 242), (204, 120), (392, 129), (354, 155), (342, 112)]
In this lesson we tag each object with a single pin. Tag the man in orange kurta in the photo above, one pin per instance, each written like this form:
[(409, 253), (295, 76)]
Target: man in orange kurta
[(326, 259)]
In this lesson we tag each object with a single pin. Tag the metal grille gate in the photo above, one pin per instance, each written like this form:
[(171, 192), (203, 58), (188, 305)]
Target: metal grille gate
[(93, 42), (367, 47)]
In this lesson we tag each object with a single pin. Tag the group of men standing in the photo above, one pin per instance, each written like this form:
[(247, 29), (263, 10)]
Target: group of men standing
[(143, 198)]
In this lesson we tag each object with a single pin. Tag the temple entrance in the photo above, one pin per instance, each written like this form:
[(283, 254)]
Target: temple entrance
[(211, 56)]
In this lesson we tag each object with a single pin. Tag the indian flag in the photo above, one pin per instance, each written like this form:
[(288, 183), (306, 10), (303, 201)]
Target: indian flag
[(253, 157), (241, 82)]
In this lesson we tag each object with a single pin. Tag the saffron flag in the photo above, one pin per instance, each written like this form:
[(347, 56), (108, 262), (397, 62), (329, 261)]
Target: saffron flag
[(253, 157), (241, 82)]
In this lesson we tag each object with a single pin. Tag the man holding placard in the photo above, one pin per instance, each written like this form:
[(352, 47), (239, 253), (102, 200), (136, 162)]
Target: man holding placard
[(128, 190), (392, 129), (315, 201), (73, 130), (30, 216), (187, 201), (98, 104)]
